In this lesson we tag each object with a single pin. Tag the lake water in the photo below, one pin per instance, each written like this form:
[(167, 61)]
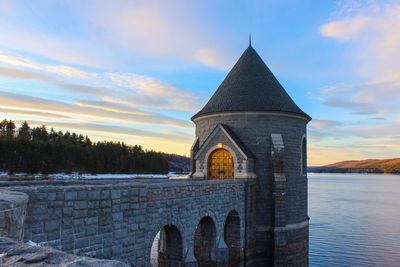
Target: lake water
[(354, 219)]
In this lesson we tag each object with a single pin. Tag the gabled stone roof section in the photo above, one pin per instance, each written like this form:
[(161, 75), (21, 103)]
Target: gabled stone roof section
[(243, 149), (251, 86)]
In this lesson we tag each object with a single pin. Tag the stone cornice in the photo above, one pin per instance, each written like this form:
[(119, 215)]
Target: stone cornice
[(267, 113)]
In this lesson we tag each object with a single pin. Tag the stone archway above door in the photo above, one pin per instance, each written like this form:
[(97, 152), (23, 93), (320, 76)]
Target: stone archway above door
[(222, 137)]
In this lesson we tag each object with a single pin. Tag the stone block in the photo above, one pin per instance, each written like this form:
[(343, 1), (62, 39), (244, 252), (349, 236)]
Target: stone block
[(82, 195), (93, 204), (81, 243), (96, 240), (51, 236), (105, 194), (105, 204), (60, 196), (93, 195), (116, 251), (70, 196), (91, 220), (91, 231), (118, 216), (68, 211), (79, 213), (38, 208), (115, 194), (51, 226), (51, 196), (80, 204)]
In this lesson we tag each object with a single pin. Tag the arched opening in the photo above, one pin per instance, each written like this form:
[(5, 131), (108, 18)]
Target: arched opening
[(232, 238), (220, 165), (304, 156), (166, 250), (204, 242)]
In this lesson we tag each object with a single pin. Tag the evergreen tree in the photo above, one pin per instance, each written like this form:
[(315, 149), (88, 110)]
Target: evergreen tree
[(40, 133), (37, 150), (10, 129), (3, 127), (24, 132)]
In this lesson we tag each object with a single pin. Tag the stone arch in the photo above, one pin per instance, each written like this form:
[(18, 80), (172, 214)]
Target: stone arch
[(303, 156), (232, 238), (205, 242), (167, 247)]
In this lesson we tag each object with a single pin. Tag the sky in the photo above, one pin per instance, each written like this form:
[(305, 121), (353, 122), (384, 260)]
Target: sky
[(136, 71)]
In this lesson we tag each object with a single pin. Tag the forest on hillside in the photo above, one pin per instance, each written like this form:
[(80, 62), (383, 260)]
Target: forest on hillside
[(361, 166), (39, 150)]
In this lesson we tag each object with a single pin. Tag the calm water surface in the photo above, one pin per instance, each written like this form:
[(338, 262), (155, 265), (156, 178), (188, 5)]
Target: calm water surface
[(354, 219)]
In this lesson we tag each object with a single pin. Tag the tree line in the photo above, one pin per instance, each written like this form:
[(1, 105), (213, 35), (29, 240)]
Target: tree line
[(39, 150)]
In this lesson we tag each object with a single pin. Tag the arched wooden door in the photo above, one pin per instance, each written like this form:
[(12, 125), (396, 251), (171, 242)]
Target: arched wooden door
[(220, 165)]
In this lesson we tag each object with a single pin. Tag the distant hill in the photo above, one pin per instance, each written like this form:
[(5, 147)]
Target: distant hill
[(361, 166), (177, 163)]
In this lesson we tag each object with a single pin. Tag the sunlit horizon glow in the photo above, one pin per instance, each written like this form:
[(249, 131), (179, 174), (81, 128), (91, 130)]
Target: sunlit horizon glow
[(136, 71)]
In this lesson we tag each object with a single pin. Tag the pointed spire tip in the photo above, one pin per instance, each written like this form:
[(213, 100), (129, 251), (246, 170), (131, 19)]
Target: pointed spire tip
[(249, 39)]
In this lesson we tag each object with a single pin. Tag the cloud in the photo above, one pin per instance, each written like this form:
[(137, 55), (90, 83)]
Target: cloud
[(345, 30), (122, 101), (328, 150), (111, 129), (109, 31), (81, 52), (29, 75), (55, 48), (25, 75), (357, 108), (211, 57), (354, 140), (7, 111), (121, 88), (110, 106), (367, 98), (324, 124), (63, 70), (141, 90), (369, 31), (372, 29), (174, 28), (41, 104)]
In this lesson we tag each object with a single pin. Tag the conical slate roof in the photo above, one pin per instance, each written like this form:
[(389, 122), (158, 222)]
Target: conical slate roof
[(250, 86)]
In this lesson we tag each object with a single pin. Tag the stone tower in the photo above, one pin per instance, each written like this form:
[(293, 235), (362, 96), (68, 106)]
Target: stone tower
[(251, 129)]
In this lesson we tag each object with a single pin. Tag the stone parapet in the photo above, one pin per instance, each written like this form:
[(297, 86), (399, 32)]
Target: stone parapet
[(119, 219), (19, 254), (12, 214)]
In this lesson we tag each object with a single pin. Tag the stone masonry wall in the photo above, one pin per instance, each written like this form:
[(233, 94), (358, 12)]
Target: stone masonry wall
[(254, 130), (12, 214), (19, 254), (120, 220)]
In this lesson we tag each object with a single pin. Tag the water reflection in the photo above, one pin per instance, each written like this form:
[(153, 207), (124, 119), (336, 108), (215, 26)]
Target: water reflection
[(355, 219)]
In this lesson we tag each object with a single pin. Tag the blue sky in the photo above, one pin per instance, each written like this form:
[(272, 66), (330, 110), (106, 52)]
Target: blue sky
[(136, 71)]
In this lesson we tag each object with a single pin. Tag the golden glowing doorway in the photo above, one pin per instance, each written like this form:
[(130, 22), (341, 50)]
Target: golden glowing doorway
[(220, 165)]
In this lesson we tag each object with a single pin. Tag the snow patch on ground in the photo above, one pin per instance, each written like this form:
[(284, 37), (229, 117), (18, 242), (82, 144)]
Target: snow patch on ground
[(105, 176), (54, 176), (32, 244)]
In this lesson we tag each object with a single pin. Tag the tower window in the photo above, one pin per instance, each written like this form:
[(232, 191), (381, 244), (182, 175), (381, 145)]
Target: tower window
[(304, 156)]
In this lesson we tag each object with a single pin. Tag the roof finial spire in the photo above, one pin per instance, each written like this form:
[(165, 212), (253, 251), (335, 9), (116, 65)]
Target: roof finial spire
[(249, 39)]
